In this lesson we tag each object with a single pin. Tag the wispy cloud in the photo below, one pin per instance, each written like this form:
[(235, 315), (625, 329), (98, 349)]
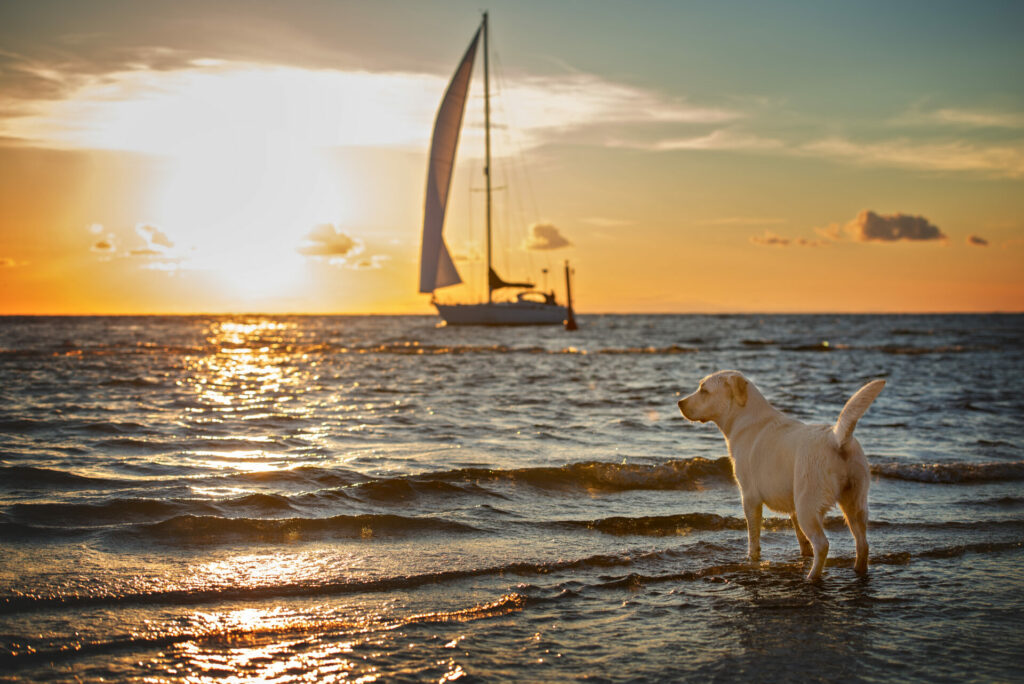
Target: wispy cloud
[(195, 103), (962, 118), (606, 222), (718, 139), (1001, 159), (977, 241), (770, 239), (742, 221)]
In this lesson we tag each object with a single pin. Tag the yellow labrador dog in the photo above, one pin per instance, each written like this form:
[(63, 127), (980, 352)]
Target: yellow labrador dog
[(803, 470)]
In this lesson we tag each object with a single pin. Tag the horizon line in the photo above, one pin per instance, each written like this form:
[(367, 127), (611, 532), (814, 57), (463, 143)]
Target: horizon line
[(199, 314)]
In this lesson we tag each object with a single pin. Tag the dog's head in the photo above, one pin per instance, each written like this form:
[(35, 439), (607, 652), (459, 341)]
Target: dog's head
[(718, 395)]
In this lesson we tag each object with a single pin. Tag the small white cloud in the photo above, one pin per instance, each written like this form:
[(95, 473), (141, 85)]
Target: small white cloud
[(544, 236), (153, 236)]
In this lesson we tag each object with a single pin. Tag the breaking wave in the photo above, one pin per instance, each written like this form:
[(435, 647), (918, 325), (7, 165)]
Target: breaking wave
[(951, 473)]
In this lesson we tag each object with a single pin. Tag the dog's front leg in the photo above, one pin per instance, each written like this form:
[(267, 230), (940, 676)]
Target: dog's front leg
[(752, 511)]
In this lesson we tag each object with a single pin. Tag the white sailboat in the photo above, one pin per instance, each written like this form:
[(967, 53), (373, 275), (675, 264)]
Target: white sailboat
[(437, 269)]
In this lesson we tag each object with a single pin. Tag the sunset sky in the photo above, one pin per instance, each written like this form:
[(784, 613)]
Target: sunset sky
[(264, 156)]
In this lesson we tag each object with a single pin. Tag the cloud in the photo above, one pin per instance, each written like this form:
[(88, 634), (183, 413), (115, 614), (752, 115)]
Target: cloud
[(373, 262), (721, 139), (972, 118), (139, 106), (604, 222), (872, 227), (544, 236), (742, 221), (833, 232), (8, 262), (977, 241), (770, 239), (153, 236), (327, 241), (106, 245), (999, 159)]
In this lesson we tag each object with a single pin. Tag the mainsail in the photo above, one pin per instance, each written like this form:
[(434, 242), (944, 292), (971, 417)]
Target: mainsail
[(436, 266)]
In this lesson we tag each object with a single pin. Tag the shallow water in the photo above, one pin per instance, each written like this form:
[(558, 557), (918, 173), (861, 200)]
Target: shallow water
[(317, 498)]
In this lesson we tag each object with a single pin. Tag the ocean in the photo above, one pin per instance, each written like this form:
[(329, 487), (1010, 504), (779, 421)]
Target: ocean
[(317, 498)]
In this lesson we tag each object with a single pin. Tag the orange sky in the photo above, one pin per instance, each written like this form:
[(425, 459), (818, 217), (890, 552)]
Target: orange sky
[(270, 165)]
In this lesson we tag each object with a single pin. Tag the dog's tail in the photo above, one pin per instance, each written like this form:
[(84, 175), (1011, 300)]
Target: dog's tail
[(856, 407)]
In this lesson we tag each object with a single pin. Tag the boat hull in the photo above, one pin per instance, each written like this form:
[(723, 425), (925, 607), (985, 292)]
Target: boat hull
[(502, 313)]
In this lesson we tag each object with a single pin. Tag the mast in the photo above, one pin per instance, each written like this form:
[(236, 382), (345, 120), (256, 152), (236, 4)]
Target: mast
[(487, 154)]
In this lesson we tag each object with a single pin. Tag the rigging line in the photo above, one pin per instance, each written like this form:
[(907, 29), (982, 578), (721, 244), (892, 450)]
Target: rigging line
[(520, 153), (514, 160)]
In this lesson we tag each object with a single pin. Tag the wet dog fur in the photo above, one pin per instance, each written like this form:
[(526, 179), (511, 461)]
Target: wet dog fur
[(779, 462)]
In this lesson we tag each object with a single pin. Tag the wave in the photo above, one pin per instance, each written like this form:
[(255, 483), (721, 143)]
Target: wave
[(13, 477), (603, 476), (403, 490), (508, 603), (192, 529), (686, 523), (951, 473), (24, 602), (102, 513), (670, 349), (758, 571), (17, 603), (588, 475), (906, 350)]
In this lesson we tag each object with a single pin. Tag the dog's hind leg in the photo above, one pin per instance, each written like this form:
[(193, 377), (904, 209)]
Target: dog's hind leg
[(856, 513), (801, 538), (810, 519), (752, 511)]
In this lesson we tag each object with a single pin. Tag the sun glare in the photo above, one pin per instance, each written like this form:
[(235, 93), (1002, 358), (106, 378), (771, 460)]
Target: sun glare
[(253, 162)]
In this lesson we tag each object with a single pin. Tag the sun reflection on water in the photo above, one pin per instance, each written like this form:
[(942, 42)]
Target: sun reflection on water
[(317, 643), (250, 368)]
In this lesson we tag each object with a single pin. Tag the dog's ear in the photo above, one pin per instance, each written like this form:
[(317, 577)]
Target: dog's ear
[(738, 387)]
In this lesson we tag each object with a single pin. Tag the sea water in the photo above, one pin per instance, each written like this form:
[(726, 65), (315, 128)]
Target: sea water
[(285, 499)]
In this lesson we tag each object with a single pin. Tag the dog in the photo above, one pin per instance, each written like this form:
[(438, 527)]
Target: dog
[(791, 467)]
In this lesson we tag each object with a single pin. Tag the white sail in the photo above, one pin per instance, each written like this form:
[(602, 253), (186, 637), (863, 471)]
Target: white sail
[(436, 266)]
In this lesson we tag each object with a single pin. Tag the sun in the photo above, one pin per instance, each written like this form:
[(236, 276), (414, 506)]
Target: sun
[(253, 159), (240, 210)]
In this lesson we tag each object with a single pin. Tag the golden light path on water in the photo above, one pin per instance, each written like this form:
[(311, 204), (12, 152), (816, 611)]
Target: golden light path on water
[(252, 370)]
